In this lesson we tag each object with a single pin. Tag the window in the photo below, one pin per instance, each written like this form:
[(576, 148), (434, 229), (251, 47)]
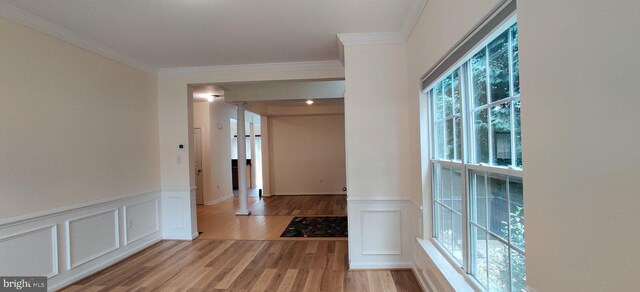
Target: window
[(476, 162)]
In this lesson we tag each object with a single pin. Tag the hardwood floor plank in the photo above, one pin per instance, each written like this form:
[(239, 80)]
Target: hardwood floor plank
[(287, 282)]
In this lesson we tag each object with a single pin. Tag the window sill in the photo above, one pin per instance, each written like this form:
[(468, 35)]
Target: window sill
[(458, 280)]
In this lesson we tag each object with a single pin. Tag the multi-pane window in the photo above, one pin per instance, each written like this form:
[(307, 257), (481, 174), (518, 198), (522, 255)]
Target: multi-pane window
[(476, 159)]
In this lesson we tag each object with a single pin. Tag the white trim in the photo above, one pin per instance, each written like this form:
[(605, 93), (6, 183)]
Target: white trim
[(68, 209), (116, 216), (42, 25), (128, 240), (102, 265), (54, 244), (251, 68), (380, 252), (371, 38), (216, 201), (412, 16), (310, 194), (454, 275), (424, 286)]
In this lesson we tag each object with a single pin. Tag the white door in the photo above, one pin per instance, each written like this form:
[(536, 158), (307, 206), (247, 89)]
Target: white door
[(197, 139)]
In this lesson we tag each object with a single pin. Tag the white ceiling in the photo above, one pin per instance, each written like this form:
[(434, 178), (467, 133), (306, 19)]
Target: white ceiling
[(159, 34)]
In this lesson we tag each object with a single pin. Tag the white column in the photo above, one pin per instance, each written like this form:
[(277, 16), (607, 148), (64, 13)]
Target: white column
[(242, 163), (254, 160)]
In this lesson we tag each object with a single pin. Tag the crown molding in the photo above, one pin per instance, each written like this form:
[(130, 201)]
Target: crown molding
[(371, 38), (35, 22), (253, 68), (413, 14)]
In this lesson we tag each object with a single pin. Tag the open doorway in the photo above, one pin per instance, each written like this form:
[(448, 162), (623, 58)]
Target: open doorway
[(253, 146), (295, 154)]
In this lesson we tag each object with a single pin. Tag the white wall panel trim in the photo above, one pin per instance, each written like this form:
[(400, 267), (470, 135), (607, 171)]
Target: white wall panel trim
[(54, 243), (127, 239), (70, 263)]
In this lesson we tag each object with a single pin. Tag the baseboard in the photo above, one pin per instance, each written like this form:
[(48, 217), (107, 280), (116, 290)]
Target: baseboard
[(210, 203), (103, 265), (310, 194), (421, 280)]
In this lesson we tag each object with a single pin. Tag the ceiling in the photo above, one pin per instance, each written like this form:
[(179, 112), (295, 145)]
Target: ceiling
[(160, 34)]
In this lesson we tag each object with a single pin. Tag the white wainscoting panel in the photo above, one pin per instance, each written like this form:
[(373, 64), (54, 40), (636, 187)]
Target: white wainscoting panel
[(82, 239), (90, 237), (380, 232), (32, 252), (179, 214), (142, 219)]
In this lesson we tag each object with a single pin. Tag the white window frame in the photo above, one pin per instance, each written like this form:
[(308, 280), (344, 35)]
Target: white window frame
[(467, 152)]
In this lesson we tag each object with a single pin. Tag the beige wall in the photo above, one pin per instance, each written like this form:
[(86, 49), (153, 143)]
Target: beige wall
[(220, 175), (307, 154), (376, 112), (580, 119), (75, 127), (201, 119)]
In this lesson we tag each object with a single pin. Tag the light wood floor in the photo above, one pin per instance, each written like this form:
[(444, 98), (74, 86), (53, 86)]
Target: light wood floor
[(269, 216), (229, 265), (335, 205)]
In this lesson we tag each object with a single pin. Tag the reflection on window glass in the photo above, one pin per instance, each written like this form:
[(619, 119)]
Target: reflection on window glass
[(518, 271), (499, 67), (498, 209), (445, 183), (437, 102), (456, 91), (479, 199), (516, 212), (479, 78), (501, 124), (457, 139), (514, 56), (447, 96), (449, 142), (482, 136), (479, 255), (457, 237), (439, 137), (499, 278), (518, 132), (456, 191)]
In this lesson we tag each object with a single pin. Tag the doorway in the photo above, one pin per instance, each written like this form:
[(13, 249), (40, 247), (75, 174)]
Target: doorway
[(197, 138)]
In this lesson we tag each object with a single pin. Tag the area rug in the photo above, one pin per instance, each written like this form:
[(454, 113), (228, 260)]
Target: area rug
[(317, 227)]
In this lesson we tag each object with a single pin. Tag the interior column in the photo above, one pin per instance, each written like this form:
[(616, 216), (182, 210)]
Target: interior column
[(242, 163)]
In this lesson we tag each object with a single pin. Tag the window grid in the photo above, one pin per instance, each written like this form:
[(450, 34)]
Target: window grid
[(468, 164)]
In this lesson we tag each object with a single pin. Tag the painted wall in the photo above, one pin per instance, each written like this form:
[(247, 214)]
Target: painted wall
[(307, 154), (220, 175), (378, 163), (580, 120), (201, 119), (75, 127)]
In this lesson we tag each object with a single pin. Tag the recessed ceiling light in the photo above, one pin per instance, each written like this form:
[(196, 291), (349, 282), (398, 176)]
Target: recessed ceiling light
[(309, 102)]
